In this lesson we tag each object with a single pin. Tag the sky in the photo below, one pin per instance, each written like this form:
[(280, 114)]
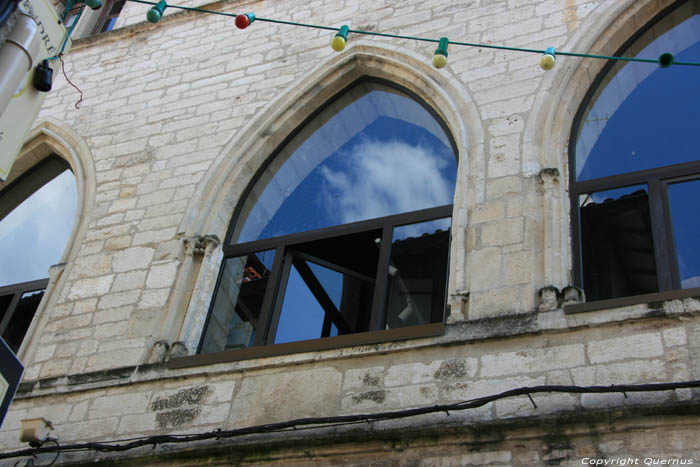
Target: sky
[(34, 235)]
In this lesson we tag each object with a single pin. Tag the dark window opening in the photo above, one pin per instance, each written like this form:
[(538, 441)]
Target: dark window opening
[(419, 259), (18, 304), (617, 248)]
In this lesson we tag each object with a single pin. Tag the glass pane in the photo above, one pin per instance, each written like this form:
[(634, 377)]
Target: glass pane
[(21, 318), (617, 247), (418, 273), (330, 288), (302, 315), (34, 235), (644, 116), (373, 152), (234, 317), (684, 199)]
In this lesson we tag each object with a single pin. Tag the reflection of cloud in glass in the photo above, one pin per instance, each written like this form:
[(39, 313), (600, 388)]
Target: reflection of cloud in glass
[(288, 195), (384, 178), (424, 228), (691, 282), (33, 235)]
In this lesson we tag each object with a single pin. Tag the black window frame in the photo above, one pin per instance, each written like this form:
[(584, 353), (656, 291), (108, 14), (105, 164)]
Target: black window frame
[(656, 180), (16, 291), (284, 246), (106, 16)]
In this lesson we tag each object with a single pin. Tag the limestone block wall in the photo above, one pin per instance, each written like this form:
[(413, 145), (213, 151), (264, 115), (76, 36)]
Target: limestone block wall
[(462, 365), (165, 105), (175, 120)]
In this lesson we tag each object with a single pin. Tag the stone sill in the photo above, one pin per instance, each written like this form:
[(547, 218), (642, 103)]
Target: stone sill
[(652, 298), (515, 325)]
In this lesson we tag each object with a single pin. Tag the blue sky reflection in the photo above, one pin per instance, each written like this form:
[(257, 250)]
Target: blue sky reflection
[(379, 154), (34, 235), (645, 116)]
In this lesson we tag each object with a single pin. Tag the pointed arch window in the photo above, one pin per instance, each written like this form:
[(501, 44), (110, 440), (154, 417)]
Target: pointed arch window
[(635, 168), (37, 212), (343, 235)]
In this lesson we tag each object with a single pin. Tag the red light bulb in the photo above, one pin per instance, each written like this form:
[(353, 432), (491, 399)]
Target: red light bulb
[(243, 21)]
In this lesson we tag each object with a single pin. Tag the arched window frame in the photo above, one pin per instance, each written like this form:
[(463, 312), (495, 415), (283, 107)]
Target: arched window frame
[(11, 196), (271, 304), (657, 181), (46, 138)]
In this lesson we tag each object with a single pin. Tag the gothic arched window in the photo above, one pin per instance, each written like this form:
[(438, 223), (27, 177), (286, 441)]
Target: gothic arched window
[(635, 170), (37, 212), (344, 231)]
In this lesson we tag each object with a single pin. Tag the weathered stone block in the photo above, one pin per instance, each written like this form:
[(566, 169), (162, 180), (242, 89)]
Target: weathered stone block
[(638, 346), (132, 258), (119, 299), (91, 287), (532, 360), (286, 396), (162, 275), (485, 265)]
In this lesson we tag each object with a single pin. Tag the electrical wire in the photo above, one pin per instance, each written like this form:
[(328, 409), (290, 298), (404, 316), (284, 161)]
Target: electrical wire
[(326, 422), (423, 39)]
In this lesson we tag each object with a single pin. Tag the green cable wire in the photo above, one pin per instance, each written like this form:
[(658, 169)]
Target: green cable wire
[(424, 39), (68, 34), (69, 5)]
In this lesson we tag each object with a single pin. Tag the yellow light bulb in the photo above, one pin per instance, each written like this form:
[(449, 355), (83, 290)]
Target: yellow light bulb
[(439, 61), (338, 43), (547, 62)]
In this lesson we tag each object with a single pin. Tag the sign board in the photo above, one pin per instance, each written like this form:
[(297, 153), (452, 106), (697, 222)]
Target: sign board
[(24, 106), (10, 375)]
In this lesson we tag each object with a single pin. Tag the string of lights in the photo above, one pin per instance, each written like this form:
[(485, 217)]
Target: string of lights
[(325, 422), (339, 41)]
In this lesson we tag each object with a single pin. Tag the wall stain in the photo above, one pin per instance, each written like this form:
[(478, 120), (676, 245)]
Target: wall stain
[(374, 396), (451, 369), (189, 396), (570, 15), (178, 417), (370, 380)]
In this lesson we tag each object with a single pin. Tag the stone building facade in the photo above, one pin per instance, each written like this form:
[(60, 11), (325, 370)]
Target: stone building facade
[(178, 119)]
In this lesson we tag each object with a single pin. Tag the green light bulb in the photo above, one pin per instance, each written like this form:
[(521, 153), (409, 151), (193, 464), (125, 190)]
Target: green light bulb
[(156, 13)]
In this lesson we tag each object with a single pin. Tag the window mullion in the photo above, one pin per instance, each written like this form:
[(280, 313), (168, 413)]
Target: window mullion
[(378, 318), (670, 246), (10, 311), (265, 324), (660, 228), (577, 264)]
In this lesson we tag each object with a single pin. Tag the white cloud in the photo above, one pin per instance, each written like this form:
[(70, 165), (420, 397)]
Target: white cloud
[(384, 178), (691, 282)]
